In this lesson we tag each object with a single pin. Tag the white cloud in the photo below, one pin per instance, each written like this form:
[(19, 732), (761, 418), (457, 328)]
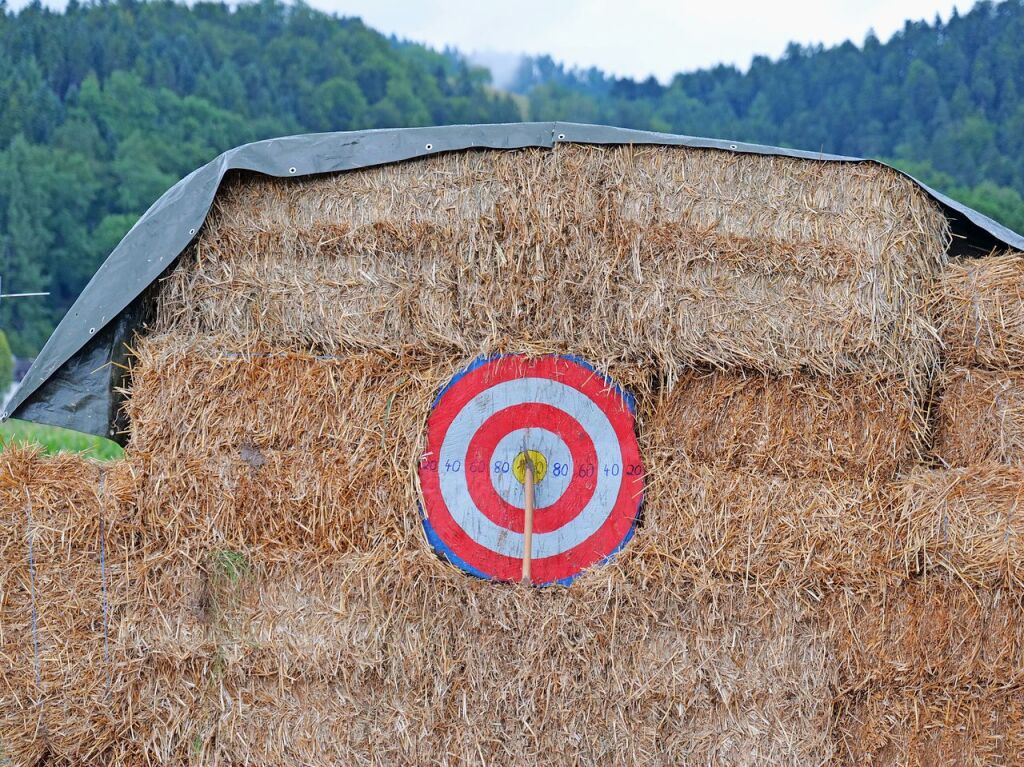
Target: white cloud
[(640, 37)]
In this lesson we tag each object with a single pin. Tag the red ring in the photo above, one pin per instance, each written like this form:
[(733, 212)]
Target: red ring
[(486, 439)]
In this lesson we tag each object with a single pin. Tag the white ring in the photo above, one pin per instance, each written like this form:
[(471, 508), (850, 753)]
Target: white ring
[(455, 491)]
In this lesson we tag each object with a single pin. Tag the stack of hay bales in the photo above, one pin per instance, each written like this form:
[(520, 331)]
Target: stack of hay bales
[(796, 592), (950, 643)]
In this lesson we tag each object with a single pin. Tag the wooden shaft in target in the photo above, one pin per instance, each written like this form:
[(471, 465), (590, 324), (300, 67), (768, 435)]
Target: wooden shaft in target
[(528, 519)]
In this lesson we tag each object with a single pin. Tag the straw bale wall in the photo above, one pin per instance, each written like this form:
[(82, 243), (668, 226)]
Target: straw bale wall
[(335, 472), (447, 665), (377, 657), (955, 726), (827, 569)]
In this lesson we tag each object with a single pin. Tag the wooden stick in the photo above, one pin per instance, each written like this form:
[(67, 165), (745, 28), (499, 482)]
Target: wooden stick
[(528, 520)]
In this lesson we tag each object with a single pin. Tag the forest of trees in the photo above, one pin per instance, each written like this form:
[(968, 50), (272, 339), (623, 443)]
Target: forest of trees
[(105, 105)]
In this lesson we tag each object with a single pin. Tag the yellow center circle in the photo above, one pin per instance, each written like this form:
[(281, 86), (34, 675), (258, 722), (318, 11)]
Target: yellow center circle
[(540, 466)]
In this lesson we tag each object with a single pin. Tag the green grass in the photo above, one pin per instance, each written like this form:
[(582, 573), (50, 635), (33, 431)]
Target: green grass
[(54, 440), (233, 565)]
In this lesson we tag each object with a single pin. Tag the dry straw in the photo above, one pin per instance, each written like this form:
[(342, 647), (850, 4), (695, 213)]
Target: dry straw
[(797, 426), (980, 417), (979, 308), (383, 659), (651, 255), (101, 617), (198, 397), (929, 632), (705, 522), (968, 522), (960, 726), (61, 677), (318, 454), (268, 592)]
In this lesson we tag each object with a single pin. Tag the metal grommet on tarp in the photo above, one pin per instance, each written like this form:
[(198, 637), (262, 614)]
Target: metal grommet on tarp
[(572, 426)]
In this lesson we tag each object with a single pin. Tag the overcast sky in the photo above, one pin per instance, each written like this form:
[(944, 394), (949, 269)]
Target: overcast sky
[(638, 37)]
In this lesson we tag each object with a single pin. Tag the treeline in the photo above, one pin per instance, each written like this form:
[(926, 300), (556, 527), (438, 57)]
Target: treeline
[(104, 106), (943, 100)]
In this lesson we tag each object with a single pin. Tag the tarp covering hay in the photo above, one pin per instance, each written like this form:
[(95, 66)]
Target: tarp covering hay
[(827, 568)]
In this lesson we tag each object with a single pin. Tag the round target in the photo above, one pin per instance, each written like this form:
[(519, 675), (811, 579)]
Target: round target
[(557, 415)]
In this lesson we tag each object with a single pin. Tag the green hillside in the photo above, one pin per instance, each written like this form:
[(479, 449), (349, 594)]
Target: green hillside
[(104, 106)]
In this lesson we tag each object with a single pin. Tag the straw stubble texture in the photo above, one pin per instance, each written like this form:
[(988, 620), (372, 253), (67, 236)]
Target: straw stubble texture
[(955, 726), (979, 309), (980, 417), (631, 253), (379, 659), (967, 522)]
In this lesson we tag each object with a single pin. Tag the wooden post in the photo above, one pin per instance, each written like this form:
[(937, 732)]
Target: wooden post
[(528, 519)]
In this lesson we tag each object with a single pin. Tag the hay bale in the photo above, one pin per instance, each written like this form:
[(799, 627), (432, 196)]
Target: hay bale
[(925, 632), (980, 417), (658, 255), (199, 397), (702, 522), (318, 455), (305, 452), (979, 309), (802, 425), (87, 618), (968, 522), (698, 522), (278, 501), (400, 659), (970, 727), (63, 590)]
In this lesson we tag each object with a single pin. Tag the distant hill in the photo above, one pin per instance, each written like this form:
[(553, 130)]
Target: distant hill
[(104, 106)]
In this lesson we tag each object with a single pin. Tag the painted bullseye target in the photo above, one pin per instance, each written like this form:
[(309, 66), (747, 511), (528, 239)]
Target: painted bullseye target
[(572, 427)]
